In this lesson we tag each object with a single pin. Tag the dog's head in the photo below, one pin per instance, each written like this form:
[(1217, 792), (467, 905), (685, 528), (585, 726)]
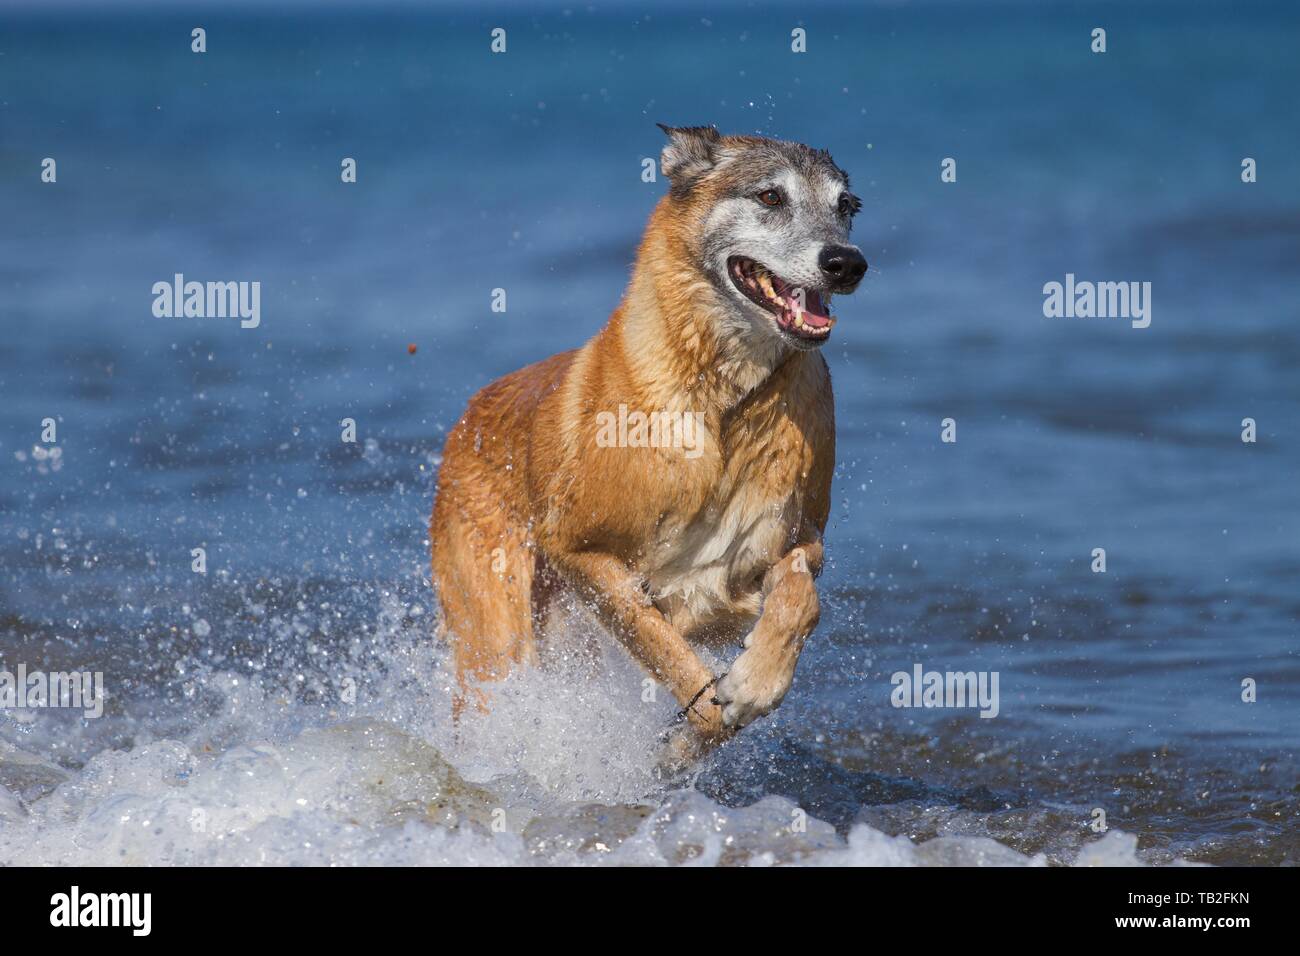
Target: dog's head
[(770, 228)]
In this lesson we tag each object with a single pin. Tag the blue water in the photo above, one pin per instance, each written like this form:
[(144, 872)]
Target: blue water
[(522, 171)]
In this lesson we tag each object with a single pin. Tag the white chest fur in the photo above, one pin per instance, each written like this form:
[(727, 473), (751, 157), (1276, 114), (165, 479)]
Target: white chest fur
[(712, 565)]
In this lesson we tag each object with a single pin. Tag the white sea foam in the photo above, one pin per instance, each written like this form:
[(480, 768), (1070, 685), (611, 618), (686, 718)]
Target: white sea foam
[(559, 772)]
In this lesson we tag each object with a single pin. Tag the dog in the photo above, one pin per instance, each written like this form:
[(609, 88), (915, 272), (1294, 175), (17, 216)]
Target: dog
[(677, 541)]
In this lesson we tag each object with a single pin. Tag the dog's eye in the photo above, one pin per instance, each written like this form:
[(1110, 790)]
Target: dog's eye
[(849, 204), (769, 197)]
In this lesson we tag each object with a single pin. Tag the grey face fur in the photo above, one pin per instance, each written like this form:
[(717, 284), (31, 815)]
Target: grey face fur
[(726, 176)]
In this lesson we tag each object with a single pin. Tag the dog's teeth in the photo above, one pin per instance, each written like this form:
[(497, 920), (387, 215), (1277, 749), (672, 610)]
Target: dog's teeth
[(798, 320), (766, 283)]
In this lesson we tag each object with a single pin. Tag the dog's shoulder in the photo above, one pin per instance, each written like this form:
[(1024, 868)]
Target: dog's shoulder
[(527, 387), (499, 418)]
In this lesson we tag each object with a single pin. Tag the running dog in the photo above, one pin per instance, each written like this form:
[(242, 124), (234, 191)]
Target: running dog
[(698, 519)]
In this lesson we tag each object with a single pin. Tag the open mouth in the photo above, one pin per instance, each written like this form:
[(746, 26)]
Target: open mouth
[(800, 313)]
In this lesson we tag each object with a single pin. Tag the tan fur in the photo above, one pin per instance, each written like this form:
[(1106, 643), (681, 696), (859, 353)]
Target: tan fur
[(670, 551)]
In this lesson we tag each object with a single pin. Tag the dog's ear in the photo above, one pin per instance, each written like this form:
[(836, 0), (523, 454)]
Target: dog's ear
[(690, 152)]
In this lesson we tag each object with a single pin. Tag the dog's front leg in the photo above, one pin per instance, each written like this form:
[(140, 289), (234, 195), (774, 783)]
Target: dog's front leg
[(626, 609), (761, 675)]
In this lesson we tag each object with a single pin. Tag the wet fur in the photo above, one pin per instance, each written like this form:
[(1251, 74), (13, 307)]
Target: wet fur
[(670, 551)]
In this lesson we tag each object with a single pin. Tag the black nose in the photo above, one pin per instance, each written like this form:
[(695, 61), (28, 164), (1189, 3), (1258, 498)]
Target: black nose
[(843, 265)]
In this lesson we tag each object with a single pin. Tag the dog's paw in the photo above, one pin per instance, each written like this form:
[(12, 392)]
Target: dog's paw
[(682, 747), (705, 719), (755, 685)]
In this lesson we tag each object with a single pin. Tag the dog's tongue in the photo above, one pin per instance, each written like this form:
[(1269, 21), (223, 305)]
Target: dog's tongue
[(815, 312)]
